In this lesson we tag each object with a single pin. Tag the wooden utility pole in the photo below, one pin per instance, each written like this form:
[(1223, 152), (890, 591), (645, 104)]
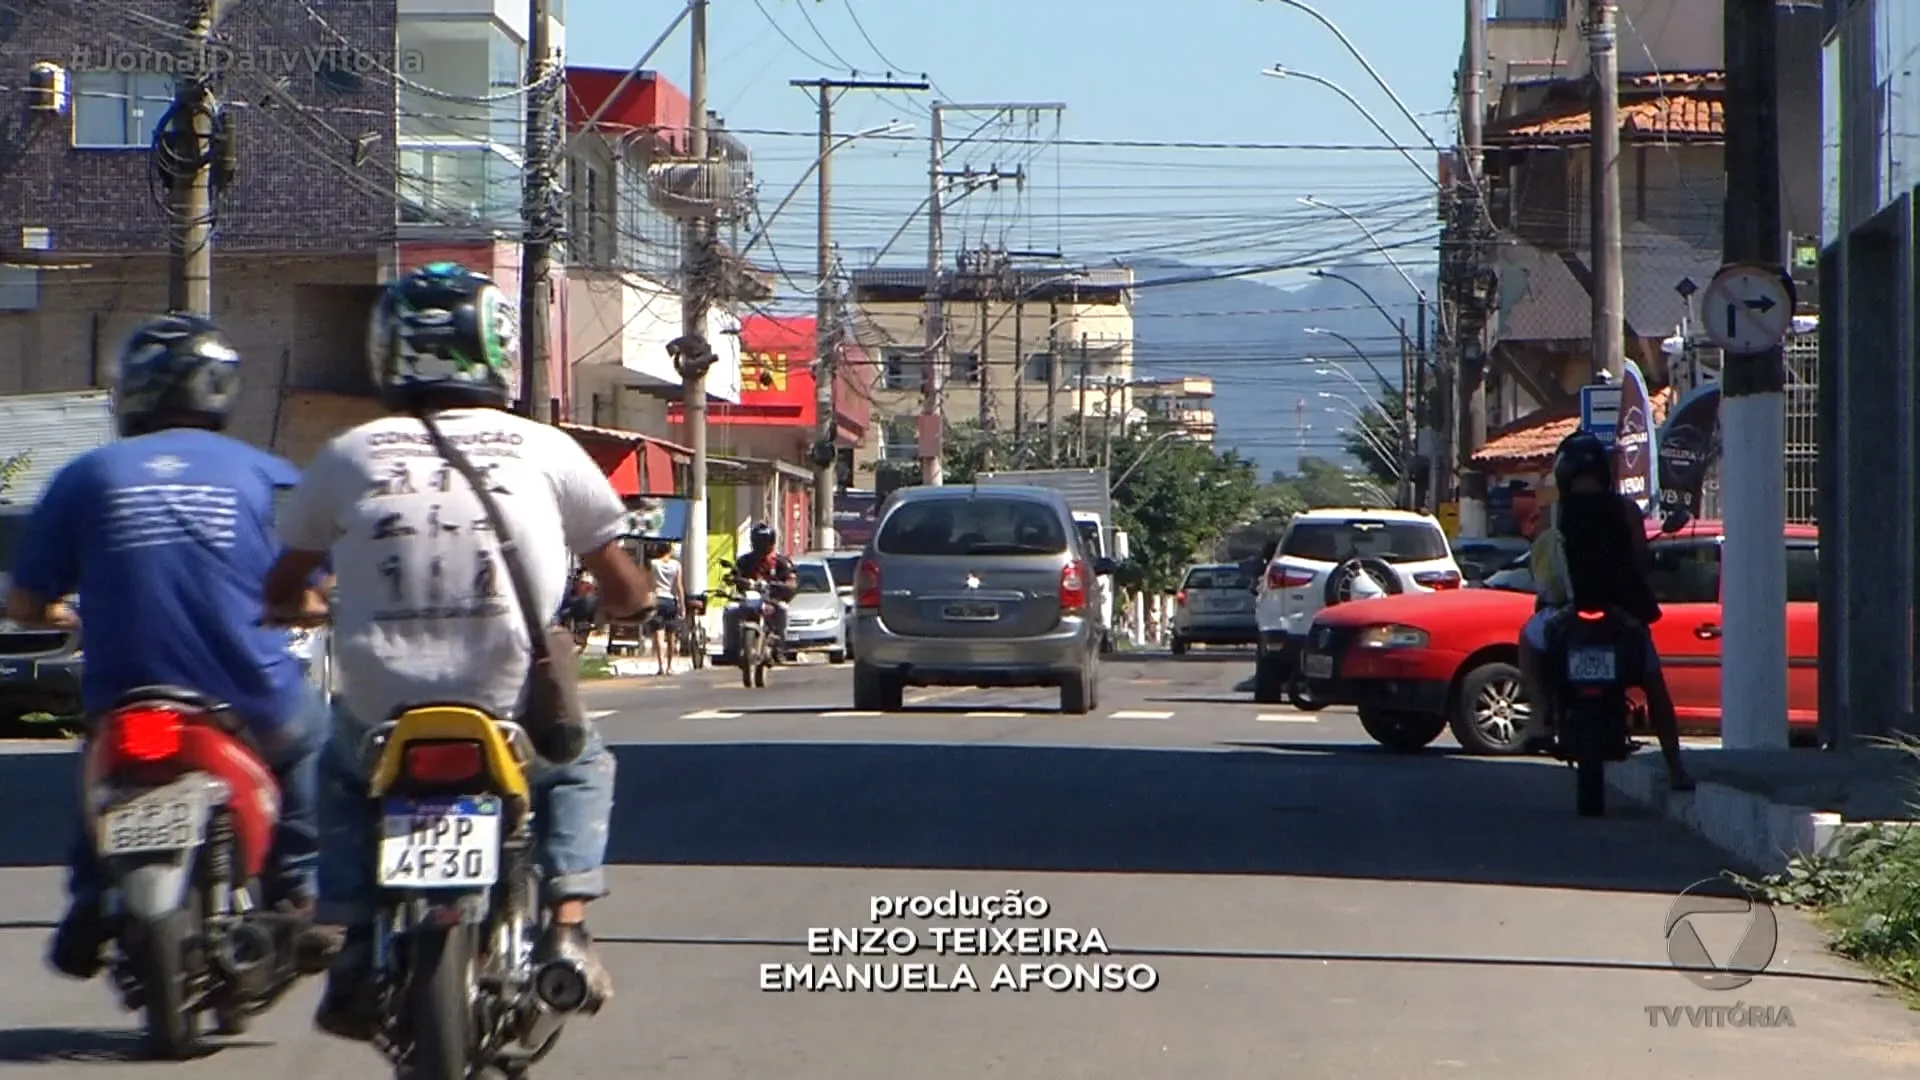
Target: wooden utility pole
[(1019, 375), (1053, 384), (190, 158), (539, 206), (1609, 304), (1080, 426), (1467, 261), (824, 454)]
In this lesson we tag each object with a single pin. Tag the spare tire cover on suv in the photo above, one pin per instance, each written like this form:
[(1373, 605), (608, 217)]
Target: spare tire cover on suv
[(1361, 579)]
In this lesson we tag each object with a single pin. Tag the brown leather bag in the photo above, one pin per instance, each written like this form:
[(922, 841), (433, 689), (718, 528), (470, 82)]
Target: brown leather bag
[(551, 711)]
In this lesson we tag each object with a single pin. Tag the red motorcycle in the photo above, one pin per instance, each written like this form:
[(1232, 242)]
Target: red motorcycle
[(182, 811)]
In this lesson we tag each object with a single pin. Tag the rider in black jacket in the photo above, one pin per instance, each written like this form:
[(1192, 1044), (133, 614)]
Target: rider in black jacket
[(762, 563), (1608, 567)]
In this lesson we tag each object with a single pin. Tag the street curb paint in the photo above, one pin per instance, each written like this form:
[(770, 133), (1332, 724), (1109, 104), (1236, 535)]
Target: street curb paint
[(1759, 832)]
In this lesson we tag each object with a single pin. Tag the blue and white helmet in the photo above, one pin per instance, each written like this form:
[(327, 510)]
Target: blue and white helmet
[(444, 328)]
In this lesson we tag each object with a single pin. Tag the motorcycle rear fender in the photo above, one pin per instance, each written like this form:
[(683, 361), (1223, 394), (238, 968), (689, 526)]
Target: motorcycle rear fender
[(156, 887), (437, 722)]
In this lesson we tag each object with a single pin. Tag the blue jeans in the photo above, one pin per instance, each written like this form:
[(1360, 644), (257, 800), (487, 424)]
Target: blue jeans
[(292, 752), (572, 806)]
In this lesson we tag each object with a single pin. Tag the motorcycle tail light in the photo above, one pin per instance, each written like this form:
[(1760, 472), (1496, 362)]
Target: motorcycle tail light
[(1591, 616), (443, 761), (147, 734)]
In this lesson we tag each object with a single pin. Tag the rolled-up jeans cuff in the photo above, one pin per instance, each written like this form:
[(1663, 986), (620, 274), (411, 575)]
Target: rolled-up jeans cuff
[(587, 885)]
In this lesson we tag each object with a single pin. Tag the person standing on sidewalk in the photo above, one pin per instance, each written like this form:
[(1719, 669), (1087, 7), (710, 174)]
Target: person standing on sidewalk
[(670, 604)]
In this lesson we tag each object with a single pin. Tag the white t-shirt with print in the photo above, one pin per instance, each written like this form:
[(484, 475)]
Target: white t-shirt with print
[(425, 610), (666, 578)]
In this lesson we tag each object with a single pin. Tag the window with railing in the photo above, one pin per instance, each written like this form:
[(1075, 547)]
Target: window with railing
[(963, 368), (458, 182), (460, 163), (900, 438), (901, 369)]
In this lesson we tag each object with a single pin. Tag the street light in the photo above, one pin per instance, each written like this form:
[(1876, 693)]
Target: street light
[(1398, 328), (1280, 71), (1360, 411), (1308, 200), (1380, 450), (1321, 331), (1146, 452), (1335, 369), (1372, 72)]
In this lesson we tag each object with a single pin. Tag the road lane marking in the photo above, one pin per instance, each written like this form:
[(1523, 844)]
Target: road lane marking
[(600, 714), (849, 714), (995, 715), (712, 714), (1139, 714), (1286, 718)]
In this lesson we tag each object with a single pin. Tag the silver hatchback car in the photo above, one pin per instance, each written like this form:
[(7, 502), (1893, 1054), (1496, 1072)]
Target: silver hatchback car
[(976, 586)]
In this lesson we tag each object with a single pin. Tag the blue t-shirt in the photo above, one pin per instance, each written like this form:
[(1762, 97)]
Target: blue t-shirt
[(167, 538)]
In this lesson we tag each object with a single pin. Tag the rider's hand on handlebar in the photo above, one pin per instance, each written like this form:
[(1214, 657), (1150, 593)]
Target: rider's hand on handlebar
[(311, 611), (61, 616)]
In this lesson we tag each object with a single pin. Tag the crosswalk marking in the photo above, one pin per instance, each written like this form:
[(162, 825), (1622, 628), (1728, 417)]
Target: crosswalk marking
[(712, 714), (1287, 718), (1137, 714)]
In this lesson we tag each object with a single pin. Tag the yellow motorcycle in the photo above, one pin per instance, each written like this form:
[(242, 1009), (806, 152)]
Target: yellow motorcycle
[(459, 908)]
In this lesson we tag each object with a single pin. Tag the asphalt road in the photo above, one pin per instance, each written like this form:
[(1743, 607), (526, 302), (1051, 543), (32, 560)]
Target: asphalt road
[(1311, 907)]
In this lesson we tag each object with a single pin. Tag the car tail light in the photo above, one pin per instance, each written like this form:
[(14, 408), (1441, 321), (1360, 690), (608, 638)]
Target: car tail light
[(866, 585), (147, 733), (1180, 598), (1437, 579), (449, 761), (1073, 586), (1287, 577)]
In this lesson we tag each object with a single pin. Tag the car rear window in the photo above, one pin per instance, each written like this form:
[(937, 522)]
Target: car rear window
[(813, 578), (981, 525), (843, 567), (1388, 541), (1217, 577)]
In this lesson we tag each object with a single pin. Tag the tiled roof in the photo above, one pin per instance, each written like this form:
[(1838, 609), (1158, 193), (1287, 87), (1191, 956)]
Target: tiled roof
[(1681, 116), (1534, 439)]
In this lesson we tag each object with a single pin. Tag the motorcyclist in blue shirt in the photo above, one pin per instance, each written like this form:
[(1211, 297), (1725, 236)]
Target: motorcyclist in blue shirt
[(165, 535)]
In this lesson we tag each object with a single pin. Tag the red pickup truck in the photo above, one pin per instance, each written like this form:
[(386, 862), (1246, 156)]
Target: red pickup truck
[(1417, 664)]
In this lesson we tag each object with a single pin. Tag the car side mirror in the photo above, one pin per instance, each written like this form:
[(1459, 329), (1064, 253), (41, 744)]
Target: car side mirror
[(1674, 522), (1104, 566)]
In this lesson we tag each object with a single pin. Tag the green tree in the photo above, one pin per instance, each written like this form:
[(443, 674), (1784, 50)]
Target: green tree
[(11, 468)]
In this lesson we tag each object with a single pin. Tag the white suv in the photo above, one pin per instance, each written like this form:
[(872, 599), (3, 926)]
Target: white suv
[(1332, 556)]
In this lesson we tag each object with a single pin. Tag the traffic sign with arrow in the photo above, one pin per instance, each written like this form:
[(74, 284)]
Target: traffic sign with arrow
[(1748, 308)]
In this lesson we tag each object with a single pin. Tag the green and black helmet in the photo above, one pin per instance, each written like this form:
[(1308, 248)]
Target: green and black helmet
[(446, 330)]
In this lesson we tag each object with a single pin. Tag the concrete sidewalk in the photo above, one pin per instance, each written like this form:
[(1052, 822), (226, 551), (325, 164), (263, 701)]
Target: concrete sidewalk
[(1765, 806)]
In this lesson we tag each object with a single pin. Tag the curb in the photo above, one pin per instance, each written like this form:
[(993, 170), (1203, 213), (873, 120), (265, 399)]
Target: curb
[(1759, 832)]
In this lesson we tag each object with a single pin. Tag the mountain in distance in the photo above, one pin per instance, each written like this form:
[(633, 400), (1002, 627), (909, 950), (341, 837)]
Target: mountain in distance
[(1251, 339)]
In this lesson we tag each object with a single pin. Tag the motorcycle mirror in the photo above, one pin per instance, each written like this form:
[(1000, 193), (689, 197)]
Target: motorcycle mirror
[(1675, 520)]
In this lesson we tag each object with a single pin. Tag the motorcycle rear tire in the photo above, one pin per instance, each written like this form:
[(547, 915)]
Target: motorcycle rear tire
[(159, 961), (440, 1011)]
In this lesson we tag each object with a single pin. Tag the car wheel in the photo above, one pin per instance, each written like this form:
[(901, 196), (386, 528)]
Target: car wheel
[(837, 656), (1491, 714), (875, 690), (1179, 646), (1269, 679), (1300, 696), (1080, 693), (1402, 732)]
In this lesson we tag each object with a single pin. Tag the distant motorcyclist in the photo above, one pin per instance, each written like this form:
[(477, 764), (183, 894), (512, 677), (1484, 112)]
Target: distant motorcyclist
[(1596, 559), (773, 571), (165, 535)]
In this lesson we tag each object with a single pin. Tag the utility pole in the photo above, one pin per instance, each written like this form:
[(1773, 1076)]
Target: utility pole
[(1080, 426), (1019, 374), (985, 277), (1410, 376), (825, 453), (1609, 304), (699, 279), (1053, 384), (1468, 258), (539, 195), (934, 357), (189, 161), (1753, 674), (1440, 455)]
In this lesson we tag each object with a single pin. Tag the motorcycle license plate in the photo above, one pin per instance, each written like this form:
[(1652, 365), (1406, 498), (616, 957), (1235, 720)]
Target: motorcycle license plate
[(1590, 665), (440, 843), (165, 819), (1317, 666)]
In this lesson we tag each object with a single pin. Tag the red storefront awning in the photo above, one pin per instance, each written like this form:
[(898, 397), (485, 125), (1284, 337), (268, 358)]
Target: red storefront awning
[(636, 464)]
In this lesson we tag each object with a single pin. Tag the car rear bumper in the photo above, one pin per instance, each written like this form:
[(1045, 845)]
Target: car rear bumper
[(1042, 660), (804, 640), (1218, 631)]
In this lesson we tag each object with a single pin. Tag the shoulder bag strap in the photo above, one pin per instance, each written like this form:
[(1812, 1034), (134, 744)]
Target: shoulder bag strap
[(509, 550)]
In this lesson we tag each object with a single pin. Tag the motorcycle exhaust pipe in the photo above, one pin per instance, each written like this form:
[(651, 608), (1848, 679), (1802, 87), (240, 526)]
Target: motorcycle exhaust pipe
[(559, 990), (245, 958)]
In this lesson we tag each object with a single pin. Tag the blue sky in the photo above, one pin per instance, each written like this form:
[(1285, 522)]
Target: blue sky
[(1126, 70)]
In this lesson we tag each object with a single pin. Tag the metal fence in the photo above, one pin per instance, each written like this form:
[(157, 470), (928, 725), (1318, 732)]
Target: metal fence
[(1801, 467)]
